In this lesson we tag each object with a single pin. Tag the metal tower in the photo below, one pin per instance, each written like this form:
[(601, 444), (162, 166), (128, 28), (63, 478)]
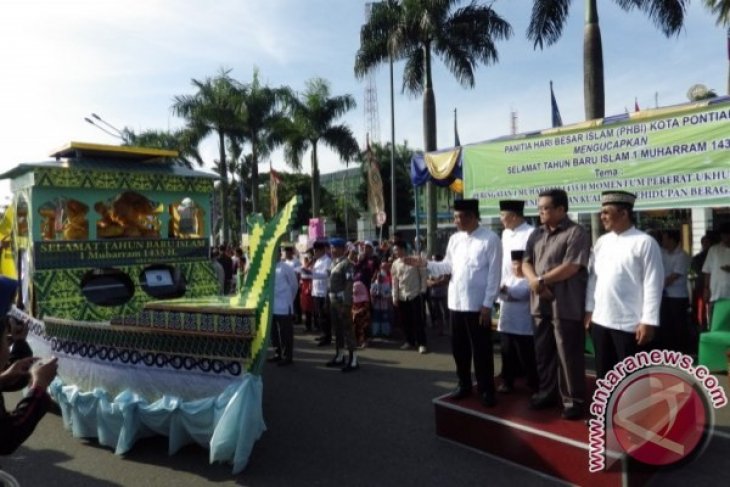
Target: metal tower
[(372, 118)]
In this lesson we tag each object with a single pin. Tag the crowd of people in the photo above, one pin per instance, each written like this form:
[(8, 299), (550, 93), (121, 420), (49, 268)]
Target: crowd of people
[(631, 290), (351, 293)]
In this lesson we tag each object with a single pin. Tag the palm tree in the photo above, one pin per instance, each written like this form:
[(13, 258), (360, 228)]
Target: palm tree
[(263, 125), (213, 109), (721, 8), (416, 30), (313, 115), (549, 17), (178, 140)]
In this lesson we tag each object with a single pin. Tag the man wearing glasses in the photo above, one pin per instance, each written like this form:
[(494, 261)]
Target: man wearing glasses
[(555, 265)]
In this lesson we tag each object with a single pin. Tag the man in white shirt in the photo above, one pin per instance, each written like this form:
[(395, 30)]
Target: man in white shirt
[(515, 234), (293, 261), (320, 286), (624, 285), (716, 269), (474, 260), (282, 332), (674, 332)]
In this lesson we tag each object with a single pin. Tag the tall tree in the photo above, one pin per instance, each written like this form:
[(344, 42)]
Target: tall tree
[(178, 140), (263, 125), (418, 30), (214, 109), (721, 8), (549, 17), (293, 184), (313, 116)]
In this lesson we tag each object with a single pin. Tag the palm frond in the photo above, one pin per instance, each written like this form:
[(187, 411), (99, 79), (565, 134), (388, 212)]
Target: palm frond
[(414, 73), (721, 9), (547, 21), (341, 139), (667, 15)]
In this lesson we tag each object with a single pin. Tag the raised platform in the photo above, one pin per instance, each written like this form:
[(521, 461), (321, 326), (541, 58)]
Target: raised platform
[(537, 440)]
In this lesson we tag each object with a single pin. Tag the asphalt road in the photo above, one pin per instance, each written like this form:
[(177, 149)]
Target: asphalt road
[(373, 427)]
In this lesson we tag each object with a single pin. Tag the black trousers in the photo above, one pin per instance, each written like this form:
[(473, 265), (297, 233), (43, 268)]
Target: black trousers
[(413, 320), (321, 316), (470, 340), (518, 354), (674, 331), (561, 366), (297, 306), (611, 347), (282, 336)]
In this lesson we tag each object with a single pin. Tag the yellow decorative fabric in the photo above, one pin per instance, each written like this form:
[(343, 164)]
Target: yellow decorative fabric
[(441, 164), (457, 186)]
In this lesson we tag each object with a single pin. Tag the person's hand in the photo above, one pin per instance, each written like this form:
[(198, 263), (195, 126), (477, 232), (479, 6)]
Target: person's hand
[(43, 373), (546, 294), (19, 370), (414, 260), (535, 285), (485, 317), (644, 334), (587, 320)]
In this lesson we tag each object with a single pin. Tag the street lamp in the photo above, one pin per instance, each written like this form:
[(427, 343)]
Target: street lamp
[(116, 132)]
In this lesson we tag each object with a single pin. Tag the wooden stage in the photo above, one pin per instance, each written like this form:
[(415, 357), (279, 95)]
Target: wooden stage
[(537, 440)]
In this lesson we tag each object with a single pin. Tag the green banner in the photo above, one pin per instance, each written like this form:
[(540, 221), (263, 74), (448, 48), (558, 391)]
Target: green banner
[(670, 158), (111, 253)]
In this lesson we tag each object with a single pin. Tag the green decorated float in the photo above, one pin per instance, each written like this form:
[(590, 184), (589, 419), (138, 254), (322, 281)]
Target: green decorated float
[(111, 248)]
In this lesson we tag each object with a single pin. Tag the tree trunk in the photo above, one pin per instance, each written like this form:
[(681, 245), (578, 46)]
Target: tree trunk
[(429, 144), (315, 182), (254, 178), (226, 231), (593, 89), (593, 93)]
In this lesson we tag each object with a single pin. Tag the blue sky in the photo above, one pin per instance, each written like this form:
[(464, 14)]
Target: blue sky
[(125, 61)]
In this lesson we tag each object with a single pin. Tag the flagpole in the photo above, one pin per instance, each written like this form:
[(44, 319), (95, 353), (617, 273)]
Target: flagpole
[(457, 144), (418, 218), (392, 153), (344, 203)]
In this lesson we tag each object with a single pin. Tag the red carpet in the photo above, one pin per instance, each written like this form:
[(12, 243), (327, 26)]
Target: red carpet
[(538, 440)]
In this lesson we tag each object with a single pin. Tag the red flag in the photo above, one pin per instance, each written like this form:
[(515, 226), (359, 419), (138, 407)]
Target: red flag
[(636, 105), (274, 181)]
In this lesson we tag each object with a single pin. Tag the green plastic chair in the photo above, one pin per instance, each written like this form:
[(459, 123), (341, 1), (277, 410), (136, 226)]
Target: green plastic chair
[(715, 343)]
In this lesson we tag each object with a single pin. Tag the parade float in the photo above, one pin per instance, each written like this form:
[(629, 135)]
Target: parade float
[(110, 246)]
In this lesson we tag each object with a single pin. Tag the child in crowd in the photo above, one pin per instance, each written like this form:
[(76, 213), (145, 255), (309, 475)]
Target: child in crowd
[(360, 311), (515, 328), (381, 292), (438, 287), (306, 302)]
